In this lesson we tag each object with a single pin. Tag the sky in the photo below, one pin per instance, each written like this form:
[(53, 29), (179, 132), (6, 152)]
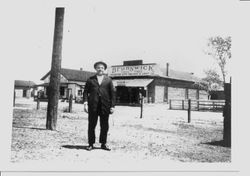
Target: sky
[(155, 31)]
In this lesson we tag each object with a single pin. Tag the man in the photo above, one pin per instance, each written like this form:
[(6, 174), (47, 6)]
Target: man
[(99, 100)]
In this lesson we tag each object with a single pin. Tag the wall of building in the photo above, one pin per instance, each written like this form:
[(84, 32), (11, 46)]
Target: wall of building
[(78, 82), (176, 93), (203, 95), (159, 93), (72, 87), (192, 94), (27, 93), (162, 90), (151, 92), (77, 89), (19, 93)]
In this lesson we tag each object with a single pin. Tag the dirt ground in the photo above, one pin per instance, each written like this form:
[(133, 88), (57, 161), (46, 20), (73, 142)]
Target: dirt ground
[(160, 134)]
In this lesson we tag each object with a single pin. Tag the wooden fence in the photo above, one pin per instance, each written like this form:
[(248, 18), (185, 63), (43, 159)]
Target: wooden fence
[(197, 105)]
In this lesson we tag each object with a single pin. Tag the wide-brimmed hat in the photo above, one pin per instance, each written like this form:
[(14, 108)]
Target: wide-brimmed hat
[(102, 63)]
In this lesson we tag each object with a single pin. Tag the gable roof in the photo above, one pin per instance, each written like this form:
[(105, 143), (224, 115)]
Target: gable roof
[(23, 83), (73, 75)]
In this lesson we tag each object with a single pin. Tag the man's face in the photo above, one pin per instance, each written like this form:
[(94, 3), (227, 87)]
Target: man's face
[(100, 69)]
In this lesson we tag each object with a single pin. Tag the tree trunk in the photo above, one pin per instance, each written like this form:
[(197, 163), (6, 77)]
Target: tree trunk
[(222, 67), (54, 84)]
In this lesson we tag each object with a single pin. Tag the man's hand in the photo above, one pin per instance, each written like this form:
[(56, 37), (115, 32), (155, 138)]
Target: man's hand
[(86, 107), (112, 110)]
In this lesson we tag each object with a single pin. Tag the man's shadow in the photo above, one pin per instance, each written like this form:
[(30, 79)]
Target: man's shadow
[(78, 147)]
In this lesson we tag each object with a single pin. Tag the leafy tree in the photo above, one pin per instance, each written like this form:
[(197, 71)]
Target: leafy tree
[(220, 49), (212, 81)]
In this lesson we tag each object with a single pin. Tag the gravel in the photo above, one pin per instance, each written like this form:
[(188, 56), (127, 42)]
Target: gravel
[(161, 134)]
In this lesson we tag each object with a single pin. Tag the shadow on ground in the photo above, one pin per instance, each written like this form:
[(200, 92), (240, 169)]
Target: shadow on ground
[(84, 147), (78, 147), (32, 128), (141, 127), (221, 143)]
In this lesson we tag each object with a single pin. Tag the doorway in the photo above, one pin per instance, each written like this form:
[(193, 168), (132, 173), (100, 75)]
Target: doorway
[(127, 95)]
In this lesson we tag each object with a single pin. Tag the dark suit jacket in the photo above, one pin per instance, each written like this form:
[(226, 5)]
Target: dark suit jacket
[(93, 90)]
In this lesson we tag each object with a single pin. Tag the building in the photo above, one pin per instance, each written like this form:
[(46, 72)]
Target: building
[(24, 88), (217, 92), (71, 82), (155, 83), (217, 95)]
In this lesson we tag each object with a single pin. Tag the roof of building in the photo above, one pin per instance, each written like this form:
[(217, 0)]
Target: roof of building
[(61, 84), (180, 75), (73, 75), (82, 76), (23, 83)]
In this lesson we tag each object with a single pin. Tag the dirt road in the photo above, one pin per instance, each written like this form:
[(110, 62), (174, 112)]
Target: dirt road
[(161, 134)]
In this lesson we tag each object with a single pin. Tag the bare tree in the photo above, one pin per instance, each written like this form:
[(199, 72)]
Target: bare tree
[(54, 84), (220, 49)]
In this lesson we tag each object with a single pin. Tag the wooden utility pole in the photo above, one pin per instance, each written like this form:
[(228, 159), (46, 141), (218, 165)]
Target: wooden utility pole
[(227, 115), (141, 103), (37, 104), (70, 102), (54, 84), (14, 98), (189, 110)]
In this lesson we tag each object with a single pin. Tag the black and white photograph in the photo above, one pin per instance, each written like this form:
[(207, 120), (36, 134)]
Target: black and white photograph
[(123, 87)]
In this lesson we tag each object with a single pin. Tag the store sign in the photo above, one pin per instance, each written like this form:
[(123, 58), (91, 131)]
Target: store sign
[(132, 82), (121, 83), (134, 70)]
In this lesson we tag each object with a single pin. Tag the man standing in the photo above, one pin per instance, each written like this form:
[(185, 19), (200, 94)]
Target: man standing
[(99, 100)]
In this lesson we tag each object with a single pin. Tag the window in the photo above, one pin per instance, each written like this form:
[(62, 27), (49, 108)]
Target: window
[(62, 91), (79, 93)]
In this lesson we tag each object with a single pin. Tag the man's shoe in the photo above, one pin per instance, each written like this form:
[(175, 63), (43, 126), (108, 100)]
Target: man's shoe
[(105, 147), (90, 147)]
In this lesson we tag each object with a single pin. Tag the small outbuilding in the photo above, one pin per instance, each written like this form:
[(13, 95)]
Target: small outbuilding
[(217, 95), (24, 88)]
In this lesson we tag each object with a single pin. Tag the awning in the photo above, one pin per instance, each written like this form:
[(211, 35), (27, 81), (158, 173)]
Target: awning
[(132, 82)]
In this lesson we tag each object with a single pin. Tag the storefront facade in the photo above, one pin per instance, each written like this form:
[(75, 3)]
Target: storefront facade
[(157, 85)]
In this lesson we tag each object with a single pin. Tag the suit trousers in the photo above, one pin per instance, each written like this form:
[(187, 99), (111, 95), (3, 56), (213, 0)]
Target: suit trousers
[(104, 125)]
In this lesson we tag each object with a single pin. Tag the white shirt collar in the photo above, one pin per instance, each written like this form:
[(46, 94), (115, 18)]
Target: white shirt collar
[(99, 78)]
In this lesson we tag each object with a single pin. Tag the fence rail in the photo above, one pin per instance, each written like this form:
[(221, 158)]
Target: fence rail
[(197, 105)]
